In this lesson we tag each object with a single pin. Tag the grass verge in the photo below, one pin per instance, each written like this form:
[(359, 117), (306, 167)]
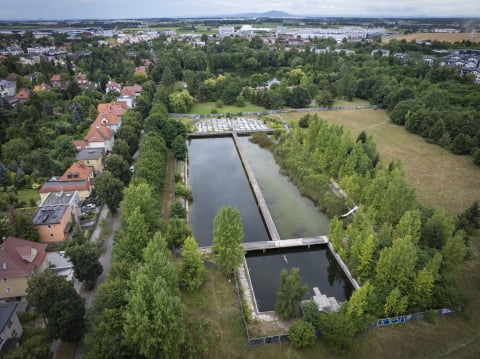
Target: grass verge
[(440, 178), (207, 107)]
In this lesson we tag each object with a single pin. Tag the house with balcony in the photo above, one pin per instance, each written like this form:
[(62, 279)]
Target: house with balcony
[(20, 260)]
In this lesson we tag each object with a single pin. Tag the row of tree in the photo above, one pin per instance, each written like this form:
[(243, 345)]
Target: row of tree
[(405, 256)]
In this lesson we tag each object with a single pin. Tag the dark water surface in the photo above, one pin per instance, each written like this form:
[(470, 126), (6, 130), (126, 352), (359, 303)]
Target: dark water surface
[(317, 265), (217, 179), (295, 216)]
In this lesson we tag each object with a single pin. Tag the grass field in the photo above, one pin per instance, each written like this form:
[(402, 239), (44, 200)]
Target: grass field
[(440, 178), (206, 108), (447, 37)]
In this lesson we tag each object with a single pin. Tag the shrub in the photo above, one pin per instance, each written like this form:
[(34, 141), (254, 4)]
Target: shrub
[(302, 334)]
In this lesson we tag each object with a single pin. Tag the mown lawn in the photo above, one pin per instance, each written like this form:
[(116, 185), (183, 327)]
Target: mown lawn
[(440, 178), (207, 107)]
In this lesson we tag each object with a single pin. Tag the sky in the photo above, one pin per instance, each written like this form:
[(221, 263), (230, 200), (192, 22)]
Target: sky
[(127, 9)]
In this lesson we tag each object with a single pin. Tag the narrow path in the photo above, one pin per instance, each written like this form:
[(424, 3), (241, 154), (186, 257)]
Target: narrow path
[(105, 260)]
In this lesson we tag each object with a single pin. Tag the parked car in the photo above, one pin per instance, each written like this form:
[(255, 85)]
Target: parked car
[(91, 206)]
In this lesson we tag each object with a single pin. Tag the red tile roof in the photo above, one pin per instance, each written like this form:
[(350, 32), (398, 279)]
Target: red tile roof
[(141, 70), (19, 257), (131, 90), (107, 119), (77, 172), (65, 186), (55, 78), (23, 94), (99, 133), (79, 144), (42, 87)]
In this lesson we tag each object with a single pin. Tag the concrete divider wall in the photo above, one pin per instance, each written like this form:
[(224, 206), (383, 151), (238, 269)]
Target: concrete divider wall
[(271, 228)]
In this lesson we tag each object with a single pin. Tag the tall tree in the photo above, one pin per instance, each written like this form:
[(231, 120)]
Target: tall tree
[(84, 258), (141, 196), (56, 299), (228, 239), (154, 313), (454, 252), (395, 267), (193, 271), (20, 225), (109, 190), (177, 231), (118, 167), (290, 294), (395, 303), (63, 152)]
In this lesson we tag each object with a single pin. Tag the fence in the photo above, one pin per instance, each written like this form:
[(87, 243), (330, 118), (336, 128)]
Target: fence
[(408, 317)]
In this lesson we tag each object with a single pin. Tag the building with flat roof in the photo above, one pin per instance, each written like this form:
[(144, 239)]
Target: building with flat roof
[(53, 223)]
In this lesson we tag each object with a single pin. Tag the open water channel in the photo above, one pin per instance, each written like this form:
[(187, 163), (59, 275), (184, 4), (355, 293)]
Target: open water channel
[(217, 179)]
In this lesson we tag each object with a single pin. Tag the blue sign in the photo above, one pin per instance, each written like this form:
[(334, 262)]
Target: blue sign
[(394, 320)]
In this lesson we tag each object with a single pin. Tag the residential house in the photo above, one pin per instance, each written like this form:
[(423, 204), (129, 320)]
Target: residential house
[(100, 136), (60, 265), (53, 223), (56, 80), (81, 79), (20, 260), (147, 63), (113, 86), (8, 88), (22, 95), (84, 83), (129, 100), (135, 90), (54, 185), (10, 328), (92, 157), (110, 114), (140, 70), (78, 177), (69, 198), (42, 87)]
